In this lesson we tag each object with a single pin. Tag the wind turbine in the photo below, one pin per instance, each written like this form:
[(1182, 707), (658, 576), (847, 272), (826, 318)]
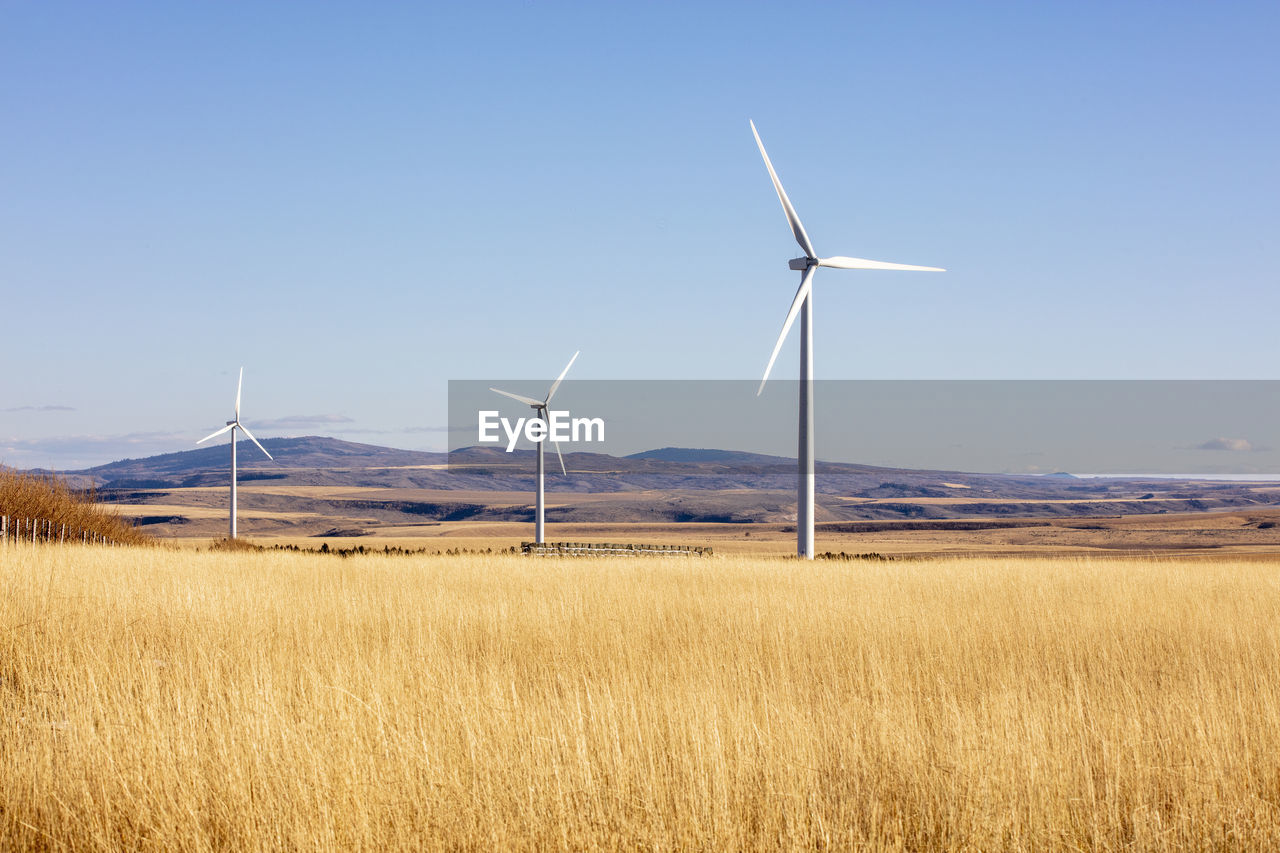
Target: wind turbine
[(802, 305), (232, 425), (540, 407)]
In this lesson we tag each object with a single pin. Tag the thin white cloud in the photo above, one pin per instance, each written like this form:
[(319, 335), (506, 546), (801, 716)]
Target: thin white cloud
[(290, 421), (1234, 445), (39, 409), (58, 443), (72, 452), (401, 430)]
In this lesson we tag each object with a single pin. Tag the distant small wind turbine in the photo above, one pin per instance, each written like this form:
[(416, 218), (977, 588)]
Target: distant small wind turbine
[(803, 306), (540, 407), (232, 425)]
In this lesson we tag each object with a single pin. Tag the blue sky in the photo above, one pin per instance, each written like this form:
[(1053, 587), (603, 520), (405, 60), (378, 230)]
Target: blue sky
[(359, 202)]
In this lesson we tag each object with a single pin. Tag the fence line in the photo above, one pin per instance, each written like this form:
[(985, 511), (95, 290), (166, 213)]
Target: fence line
[(593, 549), (16, 529)]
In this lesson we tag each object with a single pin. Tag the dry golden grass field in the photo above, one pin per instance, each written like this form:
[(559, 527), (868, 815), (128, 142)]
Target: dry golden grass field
[(163, 699)]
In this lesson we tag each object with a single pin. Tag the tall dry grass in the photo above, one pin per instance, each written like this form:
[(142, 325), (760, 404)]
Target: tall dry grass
[(47, 498), (161, 700)]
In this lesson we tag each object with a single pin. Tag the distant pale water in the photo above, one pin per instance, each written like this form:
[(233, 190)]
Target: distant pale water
[(1235, 478)]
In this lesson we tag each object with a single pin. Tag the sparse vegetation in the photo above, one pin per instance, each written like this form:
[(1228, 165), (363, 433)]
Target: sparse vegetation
[(49, 499), (234, 545), (155, 699), (830, 555), (385, 550)]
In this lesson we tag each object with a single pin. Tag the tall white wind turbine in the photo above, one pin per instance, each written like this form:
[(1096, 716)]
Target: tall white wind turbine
[(233, 425), (540, 407), (802, 305)]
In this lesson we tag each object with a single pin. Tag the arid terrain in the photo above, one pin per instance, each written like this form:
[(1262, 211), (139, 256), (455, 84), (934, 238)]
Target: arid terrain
[(323, 490), (199, 515)]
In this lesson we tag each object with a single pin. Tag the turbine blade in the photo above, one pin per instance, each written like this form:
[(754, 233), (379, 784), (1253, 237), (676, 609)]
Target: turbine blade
[(841, 263), (806, 285), (254, 440), (239, 385), (523, 399), (563, 470), (215, 434), (792, 217), (560, 378)]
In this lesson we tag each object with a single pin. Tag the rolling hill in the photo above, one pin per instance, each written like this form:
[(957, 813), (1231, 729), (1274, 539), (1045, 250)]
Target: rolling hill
[(322, 461), (319, 485)]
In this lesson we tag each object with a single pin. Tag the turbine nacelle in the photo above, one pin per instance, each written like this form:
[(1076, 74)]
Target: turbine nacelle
[(840, 262)]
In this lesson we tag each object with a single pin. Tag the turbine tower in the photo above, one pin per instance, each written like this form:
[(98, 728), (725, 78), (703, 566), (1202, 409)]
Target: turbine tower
[(802, 305), (233, 425), (540, 407)]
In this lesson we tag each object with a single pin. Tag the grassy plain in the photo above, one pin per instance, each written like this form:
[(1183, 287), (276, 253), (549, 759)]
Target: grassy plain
[(159, 699), (348, 516)]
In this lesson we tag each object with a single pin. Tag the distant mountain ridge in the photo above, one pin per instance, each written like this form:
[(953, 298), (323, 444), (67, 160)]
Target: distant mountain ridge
[(320, 460), (722, 457), (325, 461), (310, 451)]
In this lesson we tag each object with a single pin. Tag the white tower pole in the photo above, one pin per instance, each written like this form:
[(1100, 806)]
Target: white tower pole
[(804, 484), (233, 482), (539, 508)]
